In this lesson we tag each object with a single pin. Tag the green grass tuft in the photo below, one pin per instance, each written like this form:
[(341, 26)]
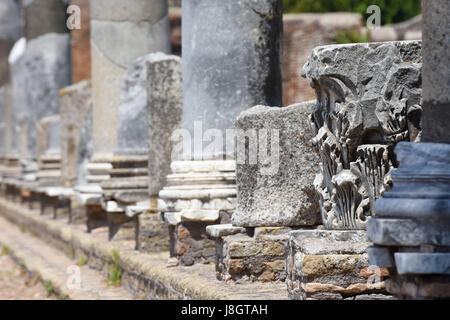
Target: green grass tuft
[(115, 271), (50, 290)]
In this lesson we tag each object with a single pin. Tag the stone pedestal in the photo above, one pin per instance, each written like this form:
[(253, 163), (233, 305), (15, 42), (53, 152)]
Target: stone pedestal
[(332, 265), (197, 194), (249, 254), (411, 224)]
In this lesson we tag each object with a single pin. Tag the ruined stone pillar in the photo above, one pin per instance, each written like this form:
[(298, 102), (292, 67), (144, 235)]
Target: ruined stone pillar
[(121, 33), (150, 111), (9, 33), (40, 68), (113, 51), (411, 223), (231, 62), (368, 100)]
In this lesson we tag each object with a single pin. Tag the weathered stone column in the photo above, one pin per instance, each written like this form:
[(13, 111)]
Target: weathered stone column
[(368, 100), (43, 68), (9, 33), (120, 34), (150, 111), (411, 223), (231, 62)]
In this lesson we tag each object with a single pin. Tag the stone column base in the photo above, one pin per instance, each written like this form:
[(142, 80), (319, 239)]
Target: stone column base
[(49, 174), (198, 194), (410, 226), (189, 241), (249, 254), (332, 265)]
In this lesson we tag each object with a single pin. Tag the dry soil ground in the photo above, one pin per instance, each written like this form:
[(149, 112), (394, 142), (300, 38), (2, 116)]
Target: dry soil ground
[(16, 284)]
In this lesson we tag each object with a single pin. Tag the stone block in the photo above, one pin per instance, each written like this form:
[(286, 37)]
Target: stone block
[(422, 263), (278, 162), (330, 264), (35, 26), (241, 258), (380, 256), (189, 241), (406, 232), (154, 233), (221, 230)]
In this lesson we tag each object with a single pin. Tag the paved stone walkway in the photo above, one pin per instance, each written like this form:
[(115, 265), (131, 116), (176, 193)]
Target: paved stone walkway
[(45, 262), (16, 283)]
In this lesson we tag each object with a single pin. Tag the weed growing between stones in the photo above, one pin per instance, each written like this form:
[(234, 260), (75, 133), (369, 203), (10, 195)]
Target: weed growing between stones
[(71, 252), (115, 272), (49, 289), (5, 251), (81, 261)]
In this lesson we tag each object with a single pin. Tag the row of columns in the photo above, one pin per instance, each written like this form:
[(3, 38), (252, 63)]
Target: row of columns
[(122, 162)]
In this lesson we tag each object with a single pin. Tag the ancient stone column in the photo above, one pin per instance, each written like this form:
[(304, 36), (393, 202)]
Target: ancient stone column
[(411, 223), (231, 62), (120, 34), (368, 100), (150, 111), (42, 69), (9, 33)]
